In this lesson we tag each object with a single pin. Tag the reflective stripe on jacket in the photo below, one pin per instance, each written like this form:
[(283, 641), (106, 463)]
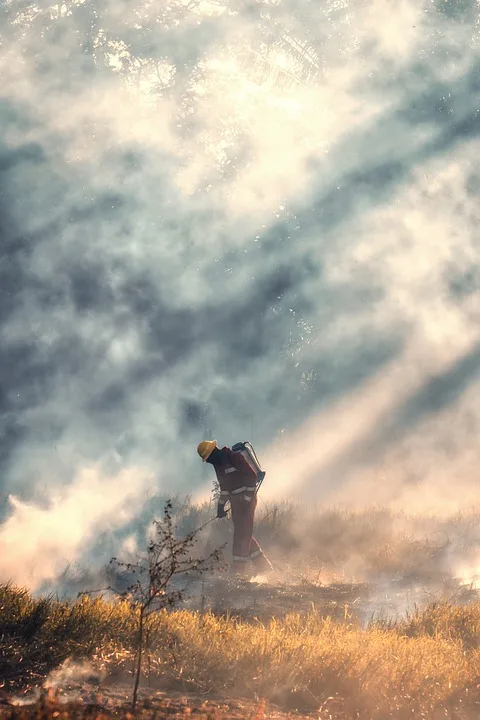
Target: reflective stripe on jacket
[(235, 476)]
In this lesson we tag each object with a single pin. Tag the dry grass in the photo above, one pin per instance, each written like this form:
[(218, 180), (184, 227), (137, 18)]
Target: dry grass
[(371, 545), (421, 667), (359, 544), (36, 635), (302, 661)]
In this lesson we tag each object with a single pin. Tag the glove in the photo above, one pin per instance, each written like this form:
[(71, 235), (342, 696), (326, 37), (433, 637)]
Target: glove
[(221, 511)]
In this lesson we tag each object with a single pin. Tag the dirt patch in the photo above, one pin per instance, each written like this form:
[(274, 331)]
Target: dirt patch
[(87, 701)]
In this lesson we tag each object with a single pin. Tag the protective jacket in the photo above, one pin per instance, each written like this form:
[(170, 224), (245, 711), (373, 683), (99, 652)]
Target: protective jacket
[(235, 476)]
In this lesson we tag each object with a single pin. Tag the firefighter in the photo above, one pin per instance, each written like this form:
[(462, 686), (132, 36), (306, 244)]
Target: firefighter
[(237, 481)]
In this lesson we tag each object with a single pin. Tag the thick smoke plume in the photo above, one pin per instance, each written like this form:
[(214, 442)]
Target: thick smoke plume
[(37, 541), (247, 220)]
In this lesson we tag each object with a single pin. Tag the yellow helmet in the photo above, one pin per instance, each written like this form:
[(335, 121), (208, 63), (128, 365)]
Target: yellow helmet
[(206, 448)]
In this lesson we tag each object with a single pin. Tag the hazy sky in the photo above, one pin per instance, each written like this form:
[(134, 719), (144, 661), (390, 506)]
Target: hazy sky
[(203, 235)]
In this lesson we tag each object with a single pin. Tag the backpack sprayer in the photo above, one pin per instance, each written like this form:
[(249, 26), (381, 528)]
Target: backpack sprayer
[(250, 456)]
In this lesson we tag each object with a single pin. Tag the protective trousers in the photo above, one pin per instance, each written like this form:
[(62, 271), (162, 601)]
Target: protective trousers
[(245, 548)]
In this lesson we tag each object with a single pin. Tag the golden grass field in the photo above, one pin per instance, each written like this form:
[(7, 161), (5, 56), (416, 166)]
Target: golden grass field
[(426, 666), (326, 659)]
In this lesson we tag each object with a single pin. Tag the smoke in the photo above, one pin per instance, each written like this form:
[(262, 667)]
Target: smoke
[(404, 439), (37, 543), (240, 220), (72, 671), (65, 678)]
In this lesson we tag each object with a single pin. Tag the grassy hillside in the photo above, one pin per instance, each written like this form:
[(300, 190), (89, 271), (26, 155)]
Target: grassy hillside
[(426, 666), (323, 544)]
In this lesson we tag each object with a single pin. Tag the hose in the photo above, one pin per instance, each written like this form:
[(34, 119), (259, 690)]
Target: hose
[(199, 529)]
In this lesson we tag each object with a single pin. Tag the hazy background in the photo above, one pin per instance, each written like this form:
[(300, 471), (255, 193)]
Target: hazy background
[(242, 220)]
